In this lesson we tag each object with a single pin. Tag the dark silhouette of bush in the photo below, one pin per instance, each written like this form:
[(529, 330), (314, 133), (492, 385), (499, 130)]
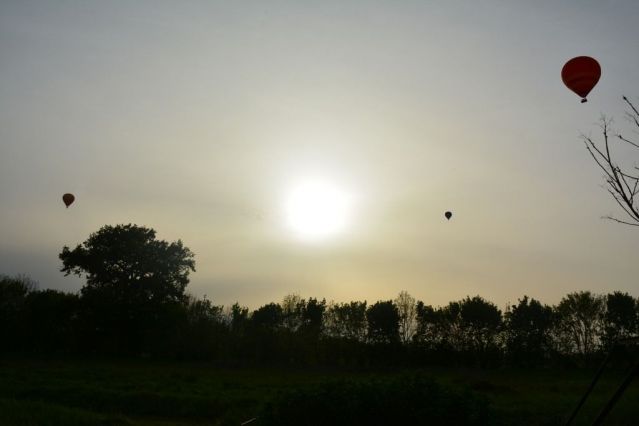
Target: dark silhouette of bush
[(13, 296), (50, 321), (407, 400), (203, 333)]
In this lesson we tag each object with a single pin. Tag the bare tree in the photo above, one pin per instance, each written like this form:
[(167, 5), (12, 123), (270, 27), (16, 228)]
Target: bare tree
[(407, 316), (622, 181)]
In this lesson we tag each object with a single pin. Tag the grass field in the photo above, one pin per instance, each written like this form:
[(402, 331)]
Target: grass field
[(155, 393)]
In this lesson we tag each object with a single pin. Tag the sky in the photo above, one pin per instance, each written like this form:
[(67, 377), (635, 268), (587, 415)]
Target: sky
[(201, 118)]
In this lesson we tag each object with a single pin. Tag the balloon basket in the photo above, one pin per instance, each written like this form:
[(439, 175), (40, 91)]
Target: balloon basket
[(584, 100)]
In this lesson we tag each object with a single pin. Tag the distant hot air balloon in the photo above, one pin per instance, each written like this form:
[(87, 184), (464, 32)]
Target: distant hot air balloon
[(68, 199), (448, 215), (581, 74)]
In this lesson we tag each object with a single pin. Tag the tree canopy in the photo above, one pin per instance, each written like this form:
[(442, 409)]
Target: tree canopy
[(128, 261)]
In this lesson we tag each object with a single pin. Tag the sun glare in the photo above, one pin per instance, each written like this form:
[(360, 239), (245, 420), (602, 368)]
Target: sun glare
[(317, 209)]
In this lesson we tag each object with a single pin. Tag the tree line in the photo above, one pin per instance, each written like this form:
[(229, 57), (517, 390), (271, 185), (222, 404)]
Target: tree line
[(134, 303)]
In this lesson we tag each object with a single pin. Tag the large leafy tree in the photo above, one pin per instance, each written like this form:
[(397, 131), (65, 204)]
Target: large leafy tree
[(127, 261), (135, 290)]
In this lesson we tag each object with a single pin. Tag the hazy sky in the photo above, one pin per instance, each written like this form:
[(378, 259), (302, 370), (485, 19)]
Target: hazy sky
[(198, 118)]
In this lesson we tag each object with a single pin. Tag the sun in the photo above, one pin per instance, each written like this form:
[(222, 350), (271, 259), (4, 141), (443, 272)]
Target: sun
[(317, 209)]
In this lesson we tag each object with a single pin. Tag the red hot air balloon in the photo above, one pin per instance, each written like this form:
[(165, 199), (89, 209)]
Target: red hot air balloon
[(68, 199), (448, 215), (581, 74)]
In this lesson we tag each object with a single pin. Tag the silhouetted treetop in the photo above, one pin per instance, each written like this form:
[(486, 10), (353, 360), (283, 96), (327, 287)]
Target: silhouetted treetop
[(268, 316), (581, 322), (129, 259), (383, 322), (621, 318), (528, 331)]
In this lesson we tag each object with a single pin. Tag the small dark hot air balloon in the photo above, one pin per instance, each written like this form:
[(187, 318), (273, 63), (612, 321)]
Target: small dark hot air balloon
[(68, 199), (581, 74), (448, 215)]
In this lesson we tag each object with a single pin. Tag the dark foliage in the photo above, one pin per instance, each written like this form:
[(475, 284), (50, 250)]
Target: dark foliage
[(414, 400), (480, 323), (579, 328), (13, 296), (528, 332), (50, 321), (128, 262), (134, 304), (621, 319), (383, 322), (134, 298)]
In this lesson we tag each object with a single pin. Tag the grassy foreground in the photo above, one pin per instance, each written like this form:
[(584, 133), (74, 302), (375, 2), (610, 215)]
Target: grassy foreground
[(155, 393)]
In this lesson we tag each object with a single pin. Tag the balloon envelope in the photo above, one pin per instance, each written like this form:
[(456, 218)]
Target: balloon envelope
[(68, 199), (448, 215), (581, 74)]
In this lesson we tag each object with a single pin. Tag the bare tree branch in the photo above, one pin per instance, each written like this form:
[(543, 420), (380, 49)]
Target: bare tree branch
[(627, 140), (622, 205), (631, 105), (599, 163), (627, 186), (620, 221), (621, 172), (622, 185)]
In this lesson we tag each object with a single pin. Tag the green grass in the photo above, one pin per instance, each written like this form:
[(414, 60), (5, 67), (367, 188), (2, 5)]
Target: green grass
[(158, 393), (547, 397), (34, 413)]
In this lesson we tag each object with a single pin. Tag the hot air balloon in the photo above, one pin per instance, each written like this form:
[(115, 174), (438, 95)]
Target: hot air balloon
[(68, 199), (581, 74), (448, 215)]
